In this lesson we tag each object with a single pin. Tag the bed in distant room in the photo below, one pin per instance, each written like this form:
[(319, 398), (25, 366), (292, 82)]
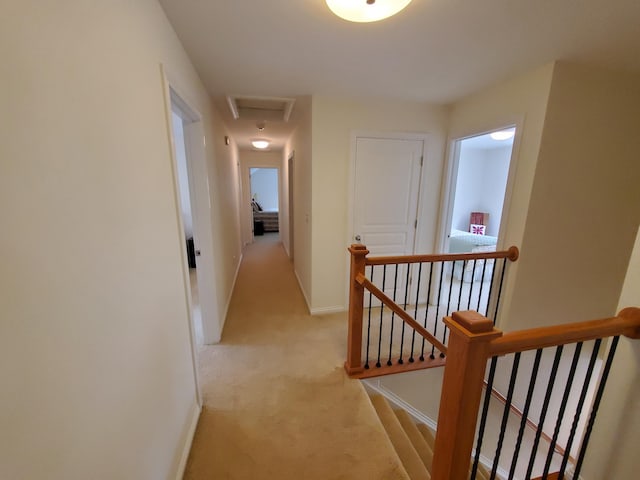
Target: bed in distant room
[(269, 218), (466, 242)]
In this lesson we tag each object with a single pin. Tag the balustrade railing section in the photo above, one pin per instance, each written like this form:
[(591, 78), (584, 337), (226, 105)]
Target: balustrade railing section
[(542, 391), (543, 424), (404, 298)]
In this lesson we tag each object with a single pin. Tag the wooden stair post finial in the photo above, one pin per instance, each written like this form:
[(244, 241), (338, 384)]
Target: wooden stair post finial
[(471, 334), (353, 365)]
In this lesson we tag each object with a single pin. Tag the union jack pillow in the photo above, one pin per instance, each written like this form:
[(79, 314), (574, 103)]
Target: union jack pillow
[(477, 229)]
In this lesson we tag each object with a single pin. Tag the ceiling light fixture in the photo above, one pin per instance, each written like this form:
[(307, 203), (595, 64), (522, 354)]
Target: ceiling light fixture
[(362, 11), (260, 144), (503, 134)]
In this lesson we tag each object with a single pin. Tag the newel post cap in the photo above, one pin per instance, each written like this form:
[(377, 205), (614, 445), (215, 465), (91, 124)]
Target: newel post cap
[(472, 324), (358, 249)]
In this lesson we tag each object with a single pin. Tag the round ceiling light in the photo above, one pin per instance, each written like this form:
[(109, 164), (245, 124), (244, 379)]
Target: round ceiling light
[(503, 134), (260, 144), (366, 10)]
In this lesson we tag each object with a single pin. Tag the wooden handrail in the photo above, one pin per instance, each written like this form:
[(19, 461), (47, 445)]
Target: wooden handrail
[(627, 323), (472, 342), (380, 295), (511, 254)]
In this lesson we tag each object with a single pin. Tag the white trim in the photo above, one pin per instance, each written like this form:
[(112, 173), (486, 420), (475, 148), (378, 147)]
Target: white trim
[(449, 173), (304, 294), (327, 310), (418, 416), (374, 384), (186, 449), (245, 176), (233, 287), (183, 248)]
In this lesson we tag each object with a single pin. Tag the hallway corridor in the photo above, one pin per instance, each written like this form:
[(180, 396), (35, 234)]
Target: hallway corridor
[(277, 403)]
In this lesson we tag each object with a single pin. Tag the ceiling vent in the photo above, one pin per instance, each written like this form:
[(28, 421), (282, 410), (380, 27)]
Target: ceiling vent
[(263, 108)]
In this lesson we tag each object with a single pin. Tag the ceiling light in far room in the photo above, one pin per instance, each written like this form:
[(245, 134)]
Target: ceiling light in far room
[(362, 11), (260, 144), (503, 134)]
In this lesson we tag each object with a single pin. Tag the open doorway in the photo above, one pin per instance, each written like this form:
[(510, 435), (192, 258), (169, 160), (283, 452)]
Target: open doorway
[(477, 190), (478, 195), (193, 200), (265, 201), (187, 218)]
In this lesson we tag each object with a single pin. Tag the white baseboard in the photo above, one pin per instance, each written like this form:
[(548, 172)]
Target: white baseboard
[(325, 310), (374, 384), (418, 416), (191, 431), (304, 294), (233, 286)]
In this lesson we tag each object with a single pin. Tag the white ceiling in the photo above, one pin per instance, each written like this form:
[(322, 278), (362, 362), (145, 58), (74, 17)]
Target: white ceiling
[(433, 51)]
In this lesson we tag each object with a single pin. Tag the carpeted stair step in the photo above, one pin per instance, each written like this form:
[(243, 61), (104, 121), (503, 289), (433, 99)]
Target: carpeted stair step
[(427, 434), (424, 450), (399, 439), (430, 438)]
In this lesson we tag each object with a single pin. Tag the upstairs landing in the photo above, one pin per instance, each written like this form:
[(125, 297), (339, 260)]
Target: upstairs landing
[(277, 401)]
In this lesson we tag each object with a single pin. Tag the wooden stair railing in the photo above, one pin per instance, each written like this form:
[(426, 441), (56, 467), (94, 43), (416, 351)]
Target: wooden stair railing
[(473, 341), (359, 284)]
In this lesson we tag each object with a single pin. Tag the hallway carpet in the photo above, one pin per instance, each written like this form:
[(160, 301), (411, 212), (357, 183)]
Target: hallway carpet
[(277, 403)]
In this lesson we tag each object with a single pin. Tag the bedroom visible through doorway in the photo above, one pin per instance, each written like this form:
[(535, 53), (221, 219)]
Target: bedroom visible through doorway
[(478, 187), (265, 201)]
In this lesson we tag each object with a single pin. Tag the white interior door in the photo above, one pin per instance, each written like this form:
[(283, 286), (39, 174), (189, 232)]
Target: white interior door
[(387, 187)]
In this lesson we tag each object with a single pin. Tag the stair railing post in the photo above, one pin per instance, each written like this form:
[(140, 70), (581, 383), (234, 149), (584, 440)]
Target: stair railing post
[(353, 365), (468, 352)]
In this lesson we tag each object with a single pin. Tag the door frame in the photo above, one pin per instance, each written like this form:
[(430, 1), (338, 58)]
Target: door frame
[(200, 199), (245, 176), (450, 176), (290, 206), (382, 135)]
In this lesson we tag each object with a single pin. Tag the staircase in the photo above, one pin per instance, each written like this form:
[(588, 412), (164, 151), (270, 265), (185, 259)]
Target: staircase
[(413, 442)]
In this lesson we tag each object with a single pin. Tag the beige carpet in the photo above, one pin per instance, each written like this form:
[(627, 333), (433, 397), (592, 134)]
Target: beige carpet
[(278, 404)]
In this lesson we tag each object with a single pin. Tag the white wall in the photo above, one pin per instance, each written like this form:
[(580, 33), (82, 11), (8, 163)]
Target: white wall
[(469, 187), (584, 208), (95, 356), (264, 187), (334, 121), (616, 433), (480, 186), (300, 145), (520, 101)]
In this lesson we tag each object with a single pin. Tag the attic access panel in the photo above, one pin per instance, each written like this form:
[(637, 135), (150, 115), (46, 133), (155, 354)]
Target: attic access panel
[(265, 108)]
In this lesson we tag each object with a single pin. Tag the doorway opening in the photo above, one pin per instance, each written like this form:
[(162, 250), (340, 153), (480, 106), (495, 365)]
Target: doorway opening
[(290, 203), (177, 124), (478, 188), (478, 195), (265, 202), (193, 200)]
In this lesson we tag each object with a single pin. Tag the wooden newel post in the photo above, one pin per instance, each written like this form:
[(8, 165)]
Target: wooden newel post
[(353, 365), (467, 356)]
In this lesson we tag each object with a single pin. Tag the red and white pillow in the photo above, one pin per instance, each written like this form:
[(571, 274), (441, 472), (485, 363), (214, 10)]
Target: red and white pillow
[(477, 229)]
